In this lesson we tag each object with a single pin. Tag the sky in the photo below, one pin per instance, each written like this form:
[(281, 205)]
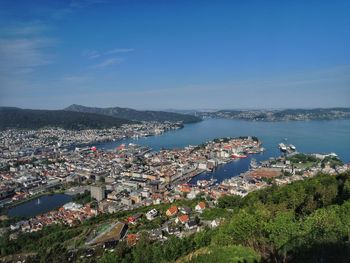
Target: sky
[(175, 54)]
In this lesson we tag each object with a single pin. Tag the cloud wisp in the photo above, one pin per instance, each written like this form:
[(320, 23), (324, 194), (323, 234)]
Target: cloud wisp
[(107, 57), (24, 54), (92, 54), (108, 62), (73, 6), (119, 50)]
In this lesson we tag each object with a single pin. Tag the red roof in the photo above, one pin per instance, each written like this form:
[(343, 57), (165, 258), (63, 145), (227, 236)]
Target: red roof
[(172, 210), (184, 218), (201, 205)]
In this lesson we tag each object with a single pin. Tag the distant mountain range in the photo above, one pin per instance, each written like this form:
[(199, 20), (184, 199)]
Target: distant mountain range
[(76, 117), (280, 115), (137, 115), (34, 119)]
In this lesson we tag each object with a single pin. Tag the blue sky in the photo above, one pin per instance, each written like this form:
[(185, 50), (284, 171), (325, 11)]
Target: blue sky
[(175, 54)]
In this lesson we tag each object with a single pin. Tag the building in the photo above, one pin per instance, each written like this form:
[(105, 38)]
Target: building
[(172, 211), (200, 207), (182, 219), (150, 215), (98, 192), (117, 232)]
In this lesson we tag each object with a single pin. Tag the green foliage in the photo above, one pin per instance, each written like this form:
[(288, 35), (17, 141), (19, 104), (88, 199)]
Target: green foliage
[(230, 201), (226, 254), (279, 223), (41, 241), (137, 115), (35, 119), (213, 213), (82, 198), (303, 158), (332, 161)]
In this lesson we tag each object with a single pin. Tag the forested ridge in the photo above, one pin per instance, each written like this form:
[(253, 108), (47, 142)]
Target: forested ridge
[(137, 115), (35, 119), (305, 221)]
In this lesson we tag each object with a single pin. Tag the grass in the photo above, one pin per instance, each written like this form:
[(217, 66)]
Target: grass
[(226, 254)]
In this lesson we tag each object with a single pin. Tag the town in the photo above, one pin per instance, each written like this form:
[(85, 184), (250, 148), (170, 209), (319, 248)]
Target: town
[(18, 142), (135, 178)]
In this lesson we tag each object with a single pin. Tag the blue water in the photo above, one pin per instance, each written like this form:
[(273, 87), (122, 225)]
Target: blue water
[(307, 136), (32, 208)]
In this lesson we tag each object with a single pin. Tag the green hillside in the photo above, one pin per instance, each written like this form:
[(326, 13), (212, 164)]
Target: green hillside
[(34, 119), (306, 221), (137, 115)]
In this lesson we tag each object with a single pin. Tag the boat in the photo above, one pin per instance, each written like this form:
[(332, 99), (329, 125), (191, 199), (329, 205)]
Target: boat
[(282, 147), (38, 202), (237, 155), (292, 147), (206, 183)]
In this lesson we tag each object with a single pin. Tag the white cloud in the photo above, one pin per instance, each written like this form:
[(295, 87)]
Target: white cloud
[(74, 79), (91, 54), (120, 50), (25, 29), (108, 62), (24, 53)]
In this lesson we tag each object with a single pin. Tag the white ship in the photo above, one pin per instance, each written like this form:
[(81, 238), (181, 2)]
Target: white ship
[(282, 147)]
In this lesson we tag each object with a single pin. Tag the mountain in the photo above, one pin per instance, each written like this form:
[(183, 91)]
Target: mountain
[(34, 119), (137, 115), (280, 115)]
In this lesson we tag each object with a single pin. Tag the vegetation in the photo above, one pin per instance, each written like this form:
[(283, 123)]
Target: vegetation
[(214, 213), (82, 198), (332, 161), (302, 158), (306, 221), (227, 254), (35, 119), (137, 115)]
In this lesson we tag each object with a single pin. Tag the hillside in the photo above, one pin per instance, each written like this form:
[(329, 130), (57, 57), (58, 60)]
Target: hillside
[(34, 119), (137, 115), (280, 115), (305, 221)]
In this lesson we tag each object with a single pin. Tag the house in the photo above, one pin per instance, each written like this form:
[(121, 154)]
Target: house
[(190, 225), (185, 210), (173, 230), (191, 195), (134, 218), (182, 219), (200, 207), (172, 211), (150, 215), (156, 234)]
